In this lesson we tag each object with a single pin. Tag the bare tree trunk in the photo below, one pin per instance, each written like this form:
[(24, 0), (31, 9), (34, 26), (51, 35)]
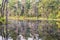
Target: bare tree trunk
[(6, 2)]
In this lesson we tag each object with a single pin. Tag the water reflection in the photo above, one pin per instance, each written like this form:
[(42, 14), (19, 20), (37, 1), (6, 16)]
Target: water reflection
[(30, 28)]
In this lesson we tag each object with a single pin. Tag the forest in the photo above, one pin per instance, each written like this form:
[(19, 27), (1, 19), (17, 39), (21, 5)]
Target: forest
[(30, 18)]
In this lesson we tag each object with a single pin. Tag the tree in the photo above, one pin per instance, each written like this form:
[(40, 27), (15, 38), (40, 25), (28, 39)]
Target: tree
[(48, 8)]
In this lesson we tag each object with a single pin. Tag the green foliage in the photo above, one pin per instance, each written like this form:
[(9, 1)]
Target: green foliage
[(28, 4), (49, 8), (0, 1), (2, 20)]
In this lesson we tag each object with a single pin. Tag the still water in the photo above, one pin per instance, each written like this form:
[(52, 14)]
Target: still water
[(28, 27)]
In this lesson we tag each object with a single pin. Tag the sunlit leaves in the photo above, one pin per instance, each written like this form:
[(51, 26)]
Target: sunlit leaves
[(58, 23), (58, 15)]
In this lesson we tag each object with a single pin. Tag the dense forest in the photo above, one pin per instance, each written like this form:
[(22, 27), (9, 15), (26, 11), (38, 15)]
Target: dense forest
[(27, 17)]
